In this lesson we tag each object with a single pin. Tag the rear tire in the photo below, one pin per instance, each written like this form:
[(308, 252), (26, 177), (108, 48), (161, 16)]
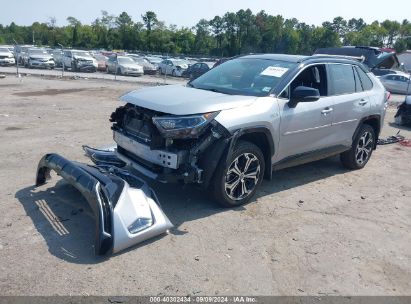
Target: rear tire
[(360, 153), (236, 183)]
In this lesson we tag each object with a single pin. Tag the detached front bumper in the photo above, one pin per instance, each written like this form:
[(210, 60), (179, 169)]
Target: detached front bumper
[(126, 210)]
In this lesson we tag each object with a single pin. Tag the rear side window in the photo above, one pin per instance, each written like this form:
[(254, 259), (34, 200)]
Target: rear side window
[(365, 80), (358, 84), (342, 79)]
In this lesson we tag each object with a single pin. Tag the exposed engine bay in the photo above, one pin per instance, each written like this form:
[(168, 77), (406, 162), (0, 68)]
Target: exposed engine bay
[(150, 142)]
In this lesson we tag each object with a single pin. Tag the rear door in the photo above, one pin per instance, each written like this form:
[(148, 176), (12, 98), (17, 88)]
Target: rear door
[(351, 101)]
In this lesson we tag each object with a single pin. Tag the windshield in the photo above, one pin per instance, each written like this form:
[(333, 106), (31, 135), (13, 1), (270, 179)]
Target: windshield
[(244, 76), (179, 62), (4, 50), (125, 60), (38, 52), (82, 54)]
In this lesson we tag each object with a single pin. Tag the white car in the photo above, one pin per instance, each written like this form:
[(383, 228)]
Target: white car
[(397, 83), (6, 56), (123, 65), (174, 67)]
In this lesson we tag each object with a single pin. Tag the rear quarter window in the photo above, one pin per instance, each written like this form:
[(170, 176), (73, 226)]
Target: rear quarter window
[(365, 80)]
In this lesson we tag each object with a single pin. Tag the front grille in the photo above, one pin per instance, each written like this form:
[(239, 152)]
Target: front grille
[(137, 122)]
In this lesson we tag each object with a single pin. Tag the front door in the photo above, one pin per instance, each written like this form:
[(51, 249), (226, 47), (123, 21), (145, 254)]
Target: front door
[(307, 126)]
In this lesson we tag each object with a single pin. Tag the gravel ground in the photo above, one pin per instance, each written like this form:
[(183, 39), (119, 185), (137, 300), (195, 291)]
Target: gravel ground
[(315, 229)]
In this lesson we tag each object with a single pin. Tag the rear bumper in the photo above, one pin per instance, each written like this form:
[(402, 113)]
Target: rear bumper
[(126, 210)]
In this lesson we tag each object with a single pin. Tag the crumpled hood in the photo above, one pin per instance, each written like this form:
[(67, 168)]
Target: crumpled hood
[(182, 100)]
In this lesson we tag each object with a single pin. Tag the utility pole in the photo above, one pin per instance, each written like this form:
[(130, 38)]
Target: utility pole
[(62, 59), (17, 60), (33, 36), (115, 74)]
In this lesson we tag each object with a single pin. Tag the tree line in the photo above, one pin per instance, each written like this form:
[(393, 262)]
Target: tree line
[(228, 35)]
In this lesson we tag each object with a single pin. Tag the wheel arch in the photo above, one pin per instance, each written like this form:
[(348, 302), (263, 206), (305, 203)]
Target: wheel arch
[(262, 138), (374, 121)]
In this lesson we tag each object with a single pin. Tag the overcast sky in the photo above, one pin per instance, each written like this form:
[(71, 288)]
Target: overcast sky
[(189, 12)]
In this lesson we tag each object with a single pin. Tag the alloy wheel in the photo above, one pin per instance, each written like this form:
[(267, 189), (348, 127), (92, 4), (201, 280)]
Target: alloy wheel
[(242, 176), (364, 148)]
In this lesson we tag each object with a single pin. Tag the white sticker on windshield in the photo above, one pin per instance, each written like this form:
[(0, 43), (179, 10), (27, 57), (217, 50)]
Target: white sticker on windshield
[(274, 71), (266, 89)]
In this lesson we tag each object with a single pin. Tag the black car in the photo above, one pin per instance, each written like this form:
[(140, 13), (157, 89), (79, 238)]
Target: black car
[(196, 70), (378, 60)]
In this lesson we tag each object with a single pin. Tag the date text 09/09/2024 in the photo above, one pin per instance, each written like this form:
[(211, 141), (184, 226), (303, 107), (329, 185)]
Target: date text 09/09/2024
[(202, 299)]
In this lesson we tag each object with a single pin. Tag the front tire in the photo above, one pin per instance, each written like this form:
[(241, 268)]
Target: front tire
[(360, 153), (235, 183)]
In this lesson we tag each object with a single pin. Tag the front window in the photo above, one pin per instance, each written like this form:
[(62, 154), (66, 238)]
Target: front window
[(244, 76)]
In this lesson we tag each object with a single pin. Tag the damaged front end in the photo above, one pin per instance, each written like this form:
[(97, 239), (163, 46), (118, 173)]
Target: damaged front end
[(126, 210), (169, 148)]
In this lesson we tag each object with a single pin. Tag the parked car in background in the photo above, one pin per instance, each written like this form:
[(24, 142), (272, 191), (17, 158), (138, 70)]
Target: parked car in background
[(197, 69), (39, 58), (77, 60), (380, 61), (101, 62), (154, 61), (6, 57), (123, 65), (20, 53), (397, 83), (9, 47), (174, 67), (149, 68), (58, 57)]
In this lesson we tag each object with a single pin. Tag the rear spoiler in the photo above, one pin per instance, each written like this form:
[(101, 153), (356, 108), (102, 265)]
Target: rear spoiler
[(126, 210), (358, 58)]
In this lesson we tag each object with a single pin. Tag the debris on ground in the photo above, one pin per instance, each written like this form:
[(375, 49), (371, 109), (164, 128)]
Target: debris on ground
[(391, 139)]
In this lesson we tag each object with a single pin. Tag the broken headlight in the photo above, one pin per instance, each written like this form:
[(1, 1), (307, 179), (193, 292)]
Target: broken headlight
[(183, 126)]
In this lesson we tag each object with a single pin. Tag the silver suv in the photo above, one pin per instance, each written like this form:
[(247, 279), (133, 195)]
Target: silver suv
[(234, 125)]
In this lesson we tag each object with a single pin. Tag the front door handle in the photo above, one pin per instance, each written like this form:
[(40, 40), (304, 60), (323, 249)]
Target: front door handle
[(326, 111), (363, 102)]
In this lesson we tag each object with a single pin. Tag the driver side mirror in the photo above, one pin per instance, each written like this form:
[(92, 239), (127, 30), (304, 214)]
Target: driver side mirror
[(303, 94)]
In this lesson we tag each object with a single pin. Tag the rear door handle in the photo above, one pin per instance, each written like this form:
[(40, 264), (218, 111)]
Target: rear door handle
[(363, 102), (326, 111)]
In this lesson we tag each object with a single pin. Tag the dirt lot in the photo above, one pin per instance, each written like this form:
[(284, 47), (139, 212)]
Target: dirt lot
[(315, 229)]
